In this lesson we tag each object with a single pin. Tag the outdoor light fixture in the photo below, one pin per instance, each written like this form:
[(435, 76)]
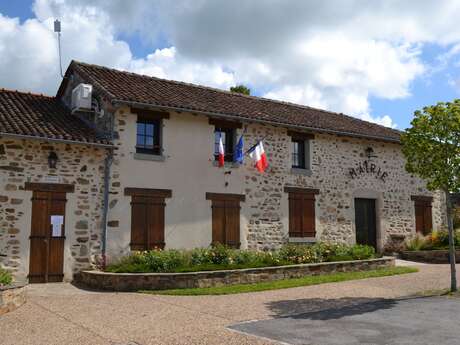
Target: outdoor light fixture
[(370, 153), (52, 160)]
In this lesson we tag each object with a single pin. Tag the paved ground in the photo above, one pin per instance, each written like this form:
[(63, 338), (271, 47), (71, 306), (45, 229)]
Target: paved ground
[(61, 314), (411, 321)]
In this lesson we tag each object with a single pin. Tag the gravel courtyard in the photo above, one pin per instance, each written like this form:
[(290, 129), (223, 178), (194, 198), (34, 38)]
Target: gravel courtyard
[(62, 314)]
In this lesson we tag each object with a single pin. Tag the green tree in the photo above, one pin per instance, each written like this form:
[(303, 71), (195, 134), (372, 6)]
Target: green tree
[(432, 149), (241, 89)]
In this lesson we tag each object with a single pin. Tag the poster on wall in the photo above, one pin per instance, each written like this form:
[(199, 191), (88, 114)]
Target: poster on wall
[(57, 221)]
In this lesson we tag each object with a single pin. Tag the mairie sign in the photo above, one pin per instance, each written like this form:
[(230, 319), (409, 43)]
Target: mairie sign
[(367, 167)]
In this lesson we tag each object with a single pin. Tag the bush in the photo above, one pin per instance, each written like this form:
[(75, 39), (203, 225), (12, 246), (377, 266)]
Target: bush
[(5, 277), (417, 242), (437, 239), (221, 257), (360, 252)]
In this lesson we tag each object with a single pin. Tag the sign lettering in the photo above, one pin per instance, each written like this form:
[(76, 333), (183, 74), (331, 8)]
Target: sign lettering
[(367, 167)]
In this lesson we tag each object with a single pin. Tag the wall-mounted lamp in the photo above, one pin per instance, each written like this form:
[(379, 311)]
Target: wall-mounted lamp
[(370, 153), (52, 160)]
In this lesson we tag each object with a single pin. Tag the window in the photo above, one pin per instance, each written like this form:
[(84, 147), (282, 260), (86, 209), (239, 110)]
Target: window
[(147, 217), (301, 211), (298, 153), (423, 215), (228, 136), (300, 149), (226, 218), (148, 136)]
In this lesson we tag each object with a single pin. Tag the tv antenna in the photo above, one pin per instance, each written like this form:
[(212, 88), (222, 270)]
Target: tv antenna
[(57, 29)]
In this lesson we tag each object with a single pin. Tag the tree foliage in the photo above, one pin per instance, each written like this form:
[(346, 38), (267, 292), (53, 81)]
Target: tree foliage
[(432, 150), (432, 146), (241, 89)]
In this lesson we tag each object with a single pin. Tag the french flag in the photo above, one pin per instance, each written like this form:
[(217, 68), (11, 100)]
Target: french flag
[(257, 153), (221, 157)]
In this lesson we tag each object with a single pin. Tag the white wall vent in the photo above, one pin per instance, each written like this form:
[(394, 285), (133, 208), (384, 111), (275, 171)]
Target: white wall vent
[(81, 97)]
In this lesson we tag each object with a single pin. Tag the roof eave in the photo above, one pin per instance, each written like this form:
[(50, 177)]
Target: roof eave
[(116, 102), (63, 141)]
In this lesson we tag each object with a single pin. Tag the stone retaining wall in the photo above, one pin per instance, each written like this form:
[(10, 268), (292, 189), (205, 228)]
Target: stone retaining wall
[(430, 256), (160, 281), (11, 297)]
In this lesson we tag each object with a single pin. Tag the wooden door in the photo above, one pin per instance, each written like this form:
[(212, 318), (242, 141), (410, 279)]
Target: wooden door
[(365, 222), (423, 217), (47, 237)]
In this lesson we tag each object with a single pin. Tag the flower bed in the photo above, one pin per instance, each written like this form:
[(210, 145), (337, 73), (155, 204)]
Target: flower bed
[(436, 240), (161, 281), (220, 265), (223, 258), (433, 248)]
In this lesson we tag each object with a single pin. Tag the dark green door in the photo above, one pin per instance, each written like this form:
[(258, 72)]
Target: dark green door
[(365, 222)]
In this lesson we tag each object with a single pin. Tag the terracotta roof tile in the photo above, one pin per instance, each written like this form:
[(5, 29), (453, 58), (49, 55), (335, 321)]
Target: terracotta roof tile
[(41, 116), (130, 87)]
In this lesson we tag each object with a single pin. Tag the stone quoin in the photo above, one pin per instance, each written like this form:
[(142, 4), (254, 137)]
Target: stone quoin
[(137, 171)]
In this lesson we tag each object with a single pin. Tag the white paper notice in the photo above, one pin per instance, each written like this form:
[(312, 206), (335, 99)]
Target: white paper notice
[(57, 222)]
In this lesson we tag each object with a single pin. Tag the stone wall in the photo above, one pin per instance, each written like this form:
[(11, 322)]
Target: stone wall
[(187, 156), (430, 256), (332, 158), (11, 297), (24, 161), (160, 281)]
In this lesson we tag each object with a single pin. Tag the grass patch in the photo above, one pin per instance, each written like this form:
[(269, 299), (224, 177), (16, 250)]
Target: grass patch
[(286, 283)]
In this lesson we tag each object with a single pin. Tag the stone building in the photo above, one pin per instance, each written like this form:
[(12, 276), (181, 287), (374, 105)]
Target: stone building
[(118, 162)]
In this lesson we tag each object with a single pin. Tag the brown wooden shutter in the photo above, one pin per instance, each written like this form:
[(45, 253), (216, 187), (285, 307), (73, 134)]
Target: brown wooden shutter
[(218, 221), (423, 214), (226, 218), (301, 212), (147, 217)]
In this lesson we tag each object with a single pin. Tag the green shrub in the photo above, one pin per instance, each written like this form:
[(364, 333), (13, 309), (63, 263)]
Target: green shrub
[(361, 252), (299, 254), (417, 242), (5, 277)]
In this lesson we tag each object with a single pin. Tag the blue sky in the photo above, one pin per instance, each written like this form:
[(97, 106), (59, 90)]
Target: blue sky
[(373, 65)]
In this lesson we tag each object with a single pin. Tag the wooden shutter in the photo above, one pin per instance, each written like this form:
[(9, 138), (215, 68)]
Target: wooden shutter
[(147, 217), (226, 218), (423, 214), (301, 212)]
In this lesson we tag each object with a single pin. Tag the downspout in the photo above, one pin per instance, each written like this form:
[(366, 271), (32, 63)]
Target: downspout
[(105, 210), (107, 165)]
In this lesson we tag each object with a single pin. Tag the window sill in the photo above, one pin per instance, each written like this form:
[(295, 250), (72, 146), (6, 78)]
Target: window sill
[(299, 171), (232, 165), (148, 157), (302, 239)]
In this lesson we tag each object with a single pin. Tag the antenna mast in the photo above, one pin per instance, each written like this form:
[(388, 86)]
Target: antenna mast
[(57, 29)]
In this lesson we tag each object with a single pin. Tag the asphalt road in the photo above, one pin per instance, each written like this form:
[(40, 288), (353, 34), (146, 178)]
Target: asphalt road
[(408, 321)]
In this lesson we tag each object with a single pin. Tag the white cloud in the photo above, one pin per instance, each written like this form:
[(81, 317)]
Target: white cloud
[(333, 54)]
